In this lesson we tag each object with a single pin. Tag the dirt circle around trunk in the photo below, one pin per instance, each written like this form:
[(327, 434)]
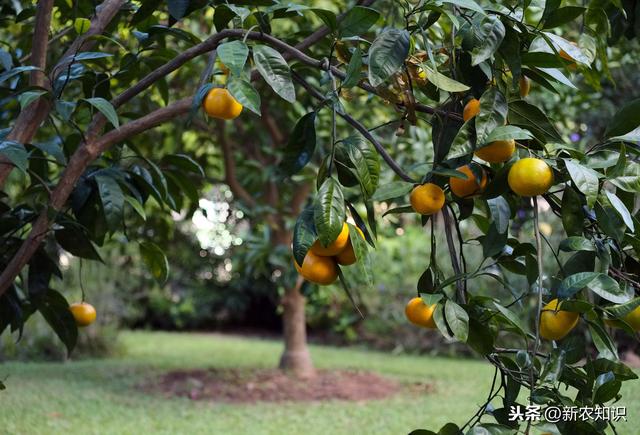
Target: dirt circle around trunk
[(271, 385)]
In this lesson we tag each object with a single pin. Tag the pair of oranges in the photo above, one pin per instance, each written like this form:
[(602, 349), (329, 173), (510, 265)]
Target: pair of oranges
[(320, 265), (555, 324)]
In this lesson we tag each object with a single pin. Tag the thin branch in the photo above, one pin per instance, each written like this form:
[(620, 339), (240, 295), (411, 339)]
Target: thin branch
[(75, 168), (30, 119), (358, 126)]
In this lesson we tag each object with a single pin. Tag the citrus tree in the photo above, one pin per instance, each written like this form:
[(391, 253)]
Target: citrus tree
[(82, 85)]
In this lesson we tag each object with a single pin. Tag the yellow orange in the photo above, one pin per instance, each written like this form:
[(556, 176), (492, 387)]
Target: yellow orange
[(420, 314), (317, 269), (530, 177), (348, 256), (469, 187), (219, 103), (471, 109), (83, 313), (427, 199), (497, 152), (555, 324), (335, 247)]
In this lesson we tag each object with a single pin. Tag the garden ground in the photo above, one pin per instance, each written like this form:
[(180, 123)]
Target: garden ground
[(111, 396)]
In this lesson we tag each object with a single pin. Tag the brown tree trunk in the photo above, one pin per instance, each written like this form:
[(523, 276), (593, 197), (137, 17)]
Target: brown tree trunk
[(295, 357)]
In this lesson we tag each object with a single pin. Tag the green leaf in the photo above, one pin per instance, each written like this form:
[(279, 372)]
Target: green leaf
[(442, 81), (329, 211), (29, 97), (184, 162), (605, 388), (357, 20), (506, 132), (304, 235), (15, 71), (585, 179), (275, 71), (137, 207), (572, 215), (364, 161), (301, 145), (629, 183), (574, 283), (607, 288), (625, 120), (245, 93), (16, 153), (466, 4), (493, 113), (177, 8), (156, 261), (55, 309), (622, 209), (363, 265), (112, 200), (576, 243), (353, 70), (74, 241), (562, 16), (525, 115), (105, 108), (392, 190), (553, 368), (490, 33), (500, 213), (457, 319), (387, 55), (234, 56), (328, 18)]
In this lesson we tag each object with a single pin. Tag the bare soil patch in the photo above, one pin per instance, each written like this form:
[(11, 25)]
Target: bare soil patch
[(250, 386)]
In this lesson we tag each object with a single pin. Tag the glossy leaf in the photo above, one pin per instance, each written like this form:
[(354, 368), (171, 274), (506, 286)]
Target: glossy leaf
[(329, 211), (301, 145), (105, 108), (275, 71), (233, 55), (387, 55), (357, 20), (304, 235), (55, 309), (245, 93)]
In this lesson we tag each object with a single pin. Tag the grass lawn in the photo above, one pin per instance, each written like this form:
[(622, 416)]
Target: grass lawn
[(99, 396)]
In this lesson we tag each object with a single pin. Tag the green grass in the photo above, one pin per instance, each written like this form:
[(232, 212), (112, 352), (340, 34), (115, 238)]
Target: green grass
[(100, 396)]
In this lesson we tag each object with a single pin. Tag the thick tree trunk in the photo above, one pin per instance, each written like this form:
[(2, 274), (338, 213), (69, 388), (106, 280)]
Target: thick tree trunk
[(295, 358)]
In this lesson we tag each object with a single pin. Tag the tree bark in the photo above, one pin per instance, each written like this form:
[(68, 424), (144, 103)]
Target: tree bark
[(295, 358)]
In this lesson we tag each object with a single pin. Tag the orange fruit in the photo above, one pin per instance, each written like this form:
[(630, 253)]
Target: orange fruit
[(83, 313), (347, 256), (555, 325), (420, 314), (530, 177), (317, 269), (497, 152), (471, 109), (427, 199), (335, 247), (525, 86), (469, 187), (633, 319), (219, 103)]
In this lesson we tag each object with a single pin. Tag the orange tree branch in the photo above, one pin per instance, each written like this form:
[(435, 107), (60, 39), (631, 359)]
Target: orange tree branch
[(30, 119), (75, 168)]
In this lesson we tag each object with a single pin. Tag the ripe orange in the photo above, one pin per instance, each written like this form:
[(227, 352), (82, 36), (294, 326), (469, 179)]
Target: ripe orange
[(525, 86), (497, 152), (347, 256), (420, 314), (219, 103), (471, 109), (555, 325), (317, 269), (83, 313), (470, 186), (530, 177), (335, 247), (427, 199), (633, 319)]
